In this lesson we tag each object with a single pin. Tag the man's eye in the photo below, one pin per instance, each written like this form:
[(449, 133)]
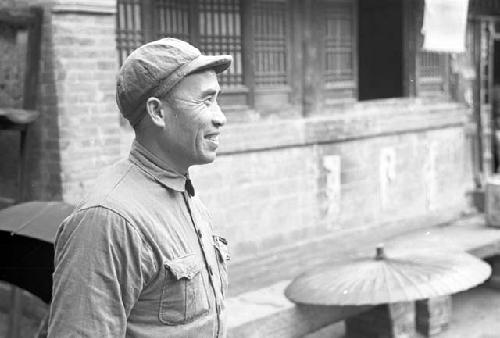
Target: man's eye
[(209, 100)]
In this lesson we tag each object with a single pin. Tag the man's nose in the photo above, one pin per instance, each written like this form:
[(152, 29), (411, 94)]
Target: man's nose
[(218, 118)]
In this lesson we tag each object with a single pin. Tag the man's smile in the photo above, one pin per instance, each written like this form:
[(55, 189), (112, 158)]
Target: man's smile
[(213, 138)]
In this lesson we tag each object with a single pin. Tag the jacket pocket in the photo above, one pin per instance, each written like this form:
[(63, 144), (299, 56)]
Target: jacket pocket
[(184, 296), (221, 248)]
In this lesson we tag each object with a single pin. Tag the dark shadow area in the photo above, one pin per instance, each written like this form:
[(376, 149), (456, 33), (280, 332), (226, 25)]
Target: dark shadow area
[(496, 104), (29, 264), (380, 49)]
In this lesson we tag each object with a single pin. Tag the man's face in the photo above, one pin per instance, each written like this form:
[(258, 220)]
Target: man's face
[(194, 120)]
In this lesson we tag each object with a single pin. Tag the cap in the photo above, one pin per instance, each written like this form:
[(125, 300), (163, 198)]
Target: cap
[(155, 68)]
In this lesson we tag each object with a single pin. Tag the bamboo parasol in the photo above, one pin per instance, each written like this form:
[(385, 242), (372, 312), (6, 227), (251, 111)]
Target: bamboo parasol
[(389, 278)]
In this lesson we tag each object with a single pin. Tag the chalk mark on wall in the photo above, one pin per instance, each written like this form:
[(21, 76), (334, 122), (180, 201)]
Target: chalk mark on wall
[(332, 165), (387, 172)]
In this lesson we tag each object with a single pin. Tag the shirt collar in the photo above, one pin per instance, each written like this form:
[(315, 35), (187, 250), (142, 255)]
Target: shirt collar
[(156, 168)]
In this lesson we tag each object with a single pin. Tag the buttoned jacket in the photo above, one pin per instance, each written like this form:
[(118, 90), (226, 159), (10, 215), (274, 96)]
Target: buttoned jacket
[(139, 258)]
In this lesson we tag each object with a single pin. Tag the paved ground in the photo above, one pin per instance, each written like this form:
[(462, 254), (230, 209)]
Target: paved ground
[(476, 314)]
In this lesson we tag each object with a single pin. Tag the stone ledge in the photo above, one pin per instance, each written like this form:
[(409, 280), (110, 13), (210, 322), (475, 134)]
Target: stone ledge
[(266, 312), (96, 7), (361, 121)]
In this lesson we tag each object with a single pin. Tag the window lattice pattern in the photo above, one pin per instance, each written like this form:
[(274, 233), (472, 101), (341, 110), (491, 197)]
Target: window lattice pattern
[(270, 28), (220, 33), (172, 19), (129, 32), (430, 65), (431, 73), (338, 42)]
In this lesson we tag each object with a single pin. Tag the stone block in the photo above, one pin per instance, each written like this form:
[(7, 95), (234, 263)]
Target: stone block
[(384, 321), (494, 280), (433, 315), (492, 201)]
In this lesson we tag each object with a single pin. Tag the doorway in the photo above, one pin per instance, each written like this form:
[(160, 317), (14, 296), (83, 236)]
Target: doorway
[(380, 49)]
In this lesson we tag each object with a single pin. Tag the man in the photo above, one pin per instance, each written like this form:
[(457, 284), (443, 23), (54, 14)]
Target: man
[(138, 257)]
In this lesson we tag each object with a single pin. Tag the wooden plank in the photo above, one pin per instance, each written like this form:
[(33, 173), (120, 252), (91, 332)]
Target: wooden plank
[(33, 59), (410, 12), (476, 26), (19, 17), (267, 313), (18, 116), (149, 20), (296, 53), (312, 98), (194, 24), (355, 56), (247, 50)]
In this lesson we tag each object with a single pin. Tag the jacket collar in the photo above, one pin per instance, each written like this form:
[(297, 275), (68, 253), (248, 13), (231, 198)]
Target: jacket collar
[(156, 168)]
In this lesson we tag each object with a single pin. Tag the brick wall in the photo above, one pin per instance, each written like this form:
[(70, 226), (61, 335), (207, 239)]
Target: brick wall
[(85, 68)]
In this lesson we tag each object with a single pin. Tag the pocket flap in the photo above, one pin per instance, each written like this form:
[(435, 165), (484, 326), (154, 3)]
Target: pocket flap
[(184, 267)]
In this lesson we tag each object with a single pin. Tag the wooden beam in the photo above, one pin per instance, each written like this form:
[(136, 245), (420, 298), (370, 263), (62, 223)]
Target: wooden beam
[(312, 98), (16, 17), (410, 34), (247, 50), (33, 59), (296, 53)]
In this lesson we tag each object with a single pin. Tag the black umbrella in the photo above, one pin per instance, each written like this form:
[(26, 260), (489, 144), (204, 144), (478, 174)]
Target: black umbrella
[(27, 232)]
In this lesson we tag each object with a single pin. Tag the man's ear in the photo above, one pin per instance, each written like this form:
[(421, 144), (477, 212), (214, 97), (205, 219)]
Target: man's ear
[(155, 111)]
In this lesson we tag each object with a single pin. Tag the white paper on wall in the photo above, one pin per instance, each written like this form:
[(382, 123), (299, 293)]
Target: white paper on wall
[(333, 185), (444, 25), (387, 172), (430, 178)]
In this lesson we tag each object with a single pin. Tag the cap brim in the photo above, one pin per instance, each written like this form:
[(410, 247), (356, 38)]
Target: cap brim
[(219, 63)]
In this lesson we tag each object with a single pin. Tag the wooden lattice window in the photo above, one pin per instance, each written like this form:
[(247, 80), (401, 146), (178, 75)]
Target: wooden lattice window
[(172, 19), (129, 27), (219, 23), (270, 31), (431, 73), (214, 26), (336, 29), (339, 40)]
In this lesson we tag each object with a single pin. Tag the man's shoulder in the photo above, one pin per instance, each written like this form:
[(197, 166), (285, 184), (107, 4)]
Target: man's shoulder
[(112, 187), (122, 188)]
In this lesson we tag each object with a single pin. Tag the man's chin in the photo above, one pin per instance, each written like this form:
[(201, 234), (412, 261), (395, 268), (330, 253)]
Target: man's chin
[(207, 158)]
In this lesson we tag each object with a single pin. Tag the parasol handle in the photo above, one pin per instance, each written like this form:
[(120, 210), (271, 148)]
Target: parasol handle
[(380, 252)]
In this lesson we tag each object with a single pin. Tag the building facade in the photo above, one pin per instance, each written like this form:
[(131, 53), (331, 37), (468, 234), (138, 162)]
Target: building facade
[(341, 129)]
